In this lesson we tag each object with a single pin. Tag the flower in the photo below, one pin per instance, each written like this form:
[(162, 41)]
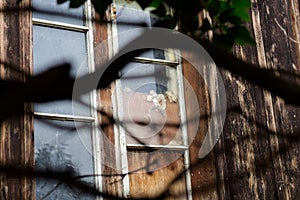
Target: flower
[(159, 100)]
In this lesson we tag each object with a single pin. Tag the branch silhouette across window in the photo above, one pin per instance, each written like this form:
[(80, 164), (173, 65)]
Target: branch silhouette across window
[(149, 106)]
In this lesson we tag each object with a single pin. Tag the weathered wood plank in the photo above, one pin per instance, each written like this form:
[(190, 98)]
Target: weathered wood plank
[(281, 53), (16, 133), (203, 172), (149, 185), (260, 144), (110, 184)]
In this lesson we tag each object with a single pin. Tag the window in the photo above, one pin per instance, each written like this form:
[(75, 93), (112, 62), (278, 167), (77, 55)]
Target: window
[(148, 102), (151, 138), (64, 35)]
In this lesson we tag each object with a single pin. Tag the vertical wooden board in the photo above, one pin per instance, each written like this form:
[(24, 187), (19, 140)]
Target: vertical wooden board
[(145, 184), (282, 53), (203, 172), (26, 64), (111, 183), (16, 133)]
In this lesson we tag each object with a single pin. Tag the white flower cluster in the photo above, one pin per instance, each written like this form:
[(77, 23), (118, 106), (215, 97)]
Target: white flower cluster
[(171, 96), (159, 100)]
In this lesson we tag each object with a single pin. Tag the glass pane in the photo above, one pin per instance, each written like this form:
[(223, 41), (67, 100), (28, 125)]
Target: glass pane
[(58, 147), (150, 104), (132, 18), (53, 46), (50, 10)]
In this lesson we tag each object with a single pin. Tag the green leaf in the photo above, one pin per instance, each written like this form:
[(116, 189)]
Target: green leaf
[(241, 35), (241, 9), (242, 13), (160, 11), (224, 41), (101, 6), (76, 3), (241, 3), (230, 16), (213, 7), (156, 3), (224, 5)]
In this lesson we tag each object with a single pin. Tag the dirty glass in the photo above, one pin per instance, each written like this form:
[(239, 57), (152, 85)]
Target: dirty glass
[(150, 109), (60, 148), (55, 46), (49, 10)]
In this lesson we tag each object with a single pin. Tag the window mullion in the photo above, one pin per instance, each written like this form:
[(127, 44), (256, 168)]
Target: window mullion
[(63, 117), (61, 25), (155, 61), (183, 120), (155, 147)]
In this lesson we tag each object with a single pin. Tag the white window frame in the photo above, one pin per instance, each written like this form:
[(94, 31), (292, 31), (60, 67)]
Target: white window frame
[(87, 28), (120, 135)]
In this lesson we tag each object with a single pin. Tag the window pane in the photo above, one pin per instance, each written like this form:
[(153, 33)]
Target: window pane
[(53, 46), (58, 147), (129, 19), (50, 10), (150, 105)]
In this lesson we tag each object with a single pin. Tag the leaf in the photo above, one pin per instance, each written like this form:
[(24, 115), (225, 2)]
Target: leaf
[(61, 1), (76, 3), (224, 41), (155, 3), (145, 3), (241, 8), (101, 6), (166, 22), (160, 11), (206, 26), (230, 16), (213, 7), (241, 35), (242, 13), (224, 5), (241, 3)]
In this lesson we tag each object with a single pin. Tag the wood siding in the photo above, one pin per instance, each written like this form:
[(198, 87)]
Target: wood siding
[(16, 134), (257, 156)]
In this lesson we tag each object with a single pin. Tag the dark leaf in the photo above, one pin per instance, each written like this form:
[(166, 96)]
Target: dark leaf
[(61, 1), (241, 35), (166, 22), (224, 5), (229, 16), (101, 6), (156, 3), (241, 3), (242, 14), (160, 11), (76, 3), (213, 7), (224, 41), (144, 3), (206, 26)]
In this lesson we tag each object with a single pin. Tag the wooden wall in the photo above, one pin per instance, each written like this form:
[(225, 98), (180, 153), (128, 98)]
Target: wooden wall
[(257, 156), (16, 134)]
